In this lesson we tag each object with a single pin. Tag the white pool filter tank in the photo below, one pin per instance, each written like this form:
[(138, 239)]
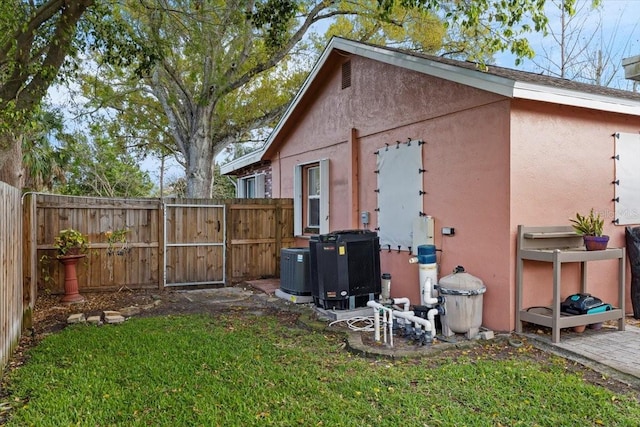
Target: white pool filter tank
[(428, 272), (463, 303)]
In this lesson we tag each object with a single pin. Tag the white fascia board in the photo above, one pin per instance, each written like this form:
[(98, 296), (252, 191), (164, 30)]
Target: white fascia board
[(241, 162), (576, 99)]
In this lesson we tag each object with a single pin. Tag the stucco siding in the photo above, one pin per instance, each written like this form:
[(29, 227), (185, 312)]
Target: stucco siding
[(466, 156), (562, 164)]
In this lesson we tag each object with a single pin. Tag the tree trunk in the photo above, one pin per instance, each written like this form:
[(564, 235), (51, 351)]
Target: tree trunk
[(11, 161), (199, 161)]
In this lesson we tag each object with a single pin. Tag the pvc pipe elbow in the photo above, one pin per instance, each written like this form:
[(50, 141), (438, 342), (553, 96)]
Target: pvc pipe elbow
[(431, 301), (373, 304), (404, 301)]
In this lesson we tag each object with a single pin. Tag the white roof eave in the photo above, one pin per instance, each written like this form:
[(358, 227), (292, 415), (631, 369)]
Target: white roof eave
[(576, 99), (241, 162)]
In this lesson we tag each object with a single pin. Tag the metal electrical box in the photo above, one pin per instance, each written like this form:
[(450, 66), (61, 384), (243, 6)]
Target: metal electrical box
[(345, 269)]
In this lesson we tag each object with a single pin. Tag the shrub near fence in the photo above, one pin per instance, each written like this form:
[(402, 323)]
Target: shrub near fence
[(11, 293), (199, 241)]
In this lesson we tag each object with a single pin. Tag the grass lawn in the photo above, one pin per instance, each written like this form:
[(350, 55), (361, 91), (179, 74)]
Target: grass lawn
[(242, 370)]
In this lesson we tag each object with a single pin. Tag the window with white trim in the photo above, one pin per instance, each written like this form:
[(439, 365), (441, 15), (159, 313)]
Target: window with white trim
[(251, 187), (311, 198)]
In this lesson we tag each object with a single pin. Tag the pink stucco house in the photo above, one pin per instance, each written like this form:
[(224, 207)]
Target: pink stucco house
[(491, 149)]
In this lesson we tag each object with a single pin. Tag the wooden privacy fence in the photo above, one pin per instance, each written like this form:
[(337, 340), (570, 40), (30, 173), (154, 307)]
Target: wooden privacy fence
[(168, 242), (11, 287)]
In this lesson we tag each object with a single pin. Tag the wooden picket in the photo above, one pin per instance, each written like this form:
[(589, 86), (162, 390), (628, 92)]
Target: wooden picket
[(11, 284)]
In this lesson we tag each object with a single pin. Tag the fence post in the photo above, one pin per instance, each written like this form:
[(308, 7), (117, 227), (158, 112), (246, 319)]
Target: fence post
[(228, 247), (279, 231), (29, 259), (162, 268)]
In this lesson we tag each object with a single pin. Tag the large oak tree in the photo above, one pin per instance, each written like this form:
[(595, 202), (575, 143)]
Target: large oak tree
[(229, 68)]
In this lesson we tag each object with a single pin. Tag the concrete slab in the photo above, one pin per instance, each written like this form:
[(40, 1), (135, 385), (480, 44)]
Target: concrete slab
[(268, 286), (344, 314)]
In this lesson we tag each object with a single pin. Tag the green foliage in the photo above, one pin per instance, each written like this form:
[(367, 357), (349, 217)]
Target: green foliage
[(101, 167), (40, 42), (43, 163), (490, 26), (409, 28), (117, 241), (70, 242), (223, 187), (588, 225), (274, 18), (243, 370)]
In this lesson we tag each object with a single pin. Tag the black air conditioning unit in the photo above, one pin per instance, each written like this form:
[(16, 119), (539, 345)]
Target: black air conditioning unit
[(345, 269)]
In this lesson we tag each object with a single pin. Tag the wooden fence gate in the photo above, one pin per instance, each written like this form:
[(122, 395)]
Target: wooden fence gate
[(194, 255)]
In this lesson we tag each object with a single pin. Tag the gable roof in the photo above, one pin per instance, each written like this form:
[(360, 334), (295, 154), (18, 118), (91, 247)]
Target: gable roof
[(499, 80)]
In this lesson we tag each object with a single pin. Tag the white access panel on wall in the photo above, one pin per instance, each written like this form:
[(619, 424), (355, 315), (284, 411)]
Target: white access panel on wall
[(627, 188), (400, 173)]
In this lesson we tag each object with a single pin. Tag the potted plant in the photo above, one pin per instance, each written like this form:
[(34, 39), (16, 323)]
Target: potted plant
[(70, 242), (71, 246), (590, 227)]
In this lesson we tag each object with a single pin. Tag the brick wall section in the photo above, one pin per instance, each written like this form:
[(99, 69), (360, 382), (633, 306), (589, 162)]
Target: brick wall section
[(256, 168)]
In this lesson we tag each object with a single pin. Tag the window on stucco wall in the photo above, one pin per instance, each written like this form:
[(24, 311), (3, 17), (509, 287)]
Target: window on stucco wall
[(311, 198), (251, 187), (627, 181)]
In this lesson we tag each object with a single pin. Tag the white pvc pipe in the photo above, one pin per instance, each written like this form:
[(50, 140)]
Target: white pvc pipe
[(390, 325), (376, 324), (405, 301), (431, 316), (387, 321), (409, 315), (427, 324), (427, 292)]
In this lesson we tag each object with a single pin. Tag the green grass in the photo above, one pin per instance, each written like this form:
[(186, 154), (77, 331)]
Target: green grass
[(235, 370)]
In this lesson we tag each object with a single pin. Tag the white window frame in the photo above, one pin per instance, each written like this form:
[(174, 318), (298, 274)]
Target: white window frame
[(311, 196), (299, 197), (259, 184)]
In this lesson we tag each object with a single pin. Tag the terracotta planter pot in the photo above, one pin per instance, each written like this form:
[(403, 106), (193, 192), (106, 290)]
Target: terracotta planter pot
[(579, 329), (71, 294), (596, 243)]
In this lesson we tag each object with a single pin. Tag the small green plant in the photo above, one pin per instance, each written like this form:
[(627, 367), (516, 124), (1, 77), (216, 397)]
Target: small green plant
[(588, 225), (70, 242), (117, 236)]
